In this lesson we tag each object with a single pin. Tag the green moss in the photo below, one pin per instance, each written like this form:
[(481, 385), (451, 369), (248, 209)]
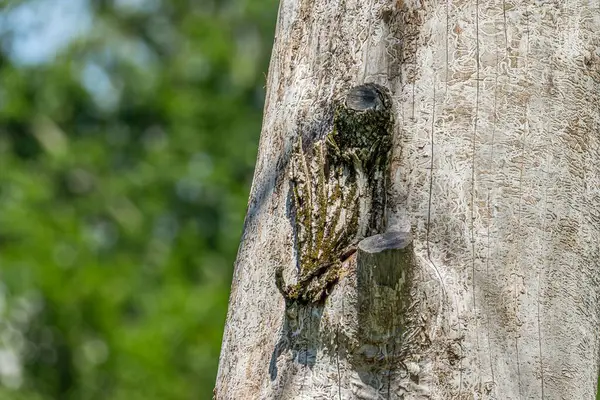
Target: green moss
[(357, 147)]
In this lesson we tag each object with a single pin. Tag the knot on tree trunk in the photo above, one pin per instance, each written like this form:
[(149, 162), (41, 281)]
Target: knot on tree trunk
[(384, 275)]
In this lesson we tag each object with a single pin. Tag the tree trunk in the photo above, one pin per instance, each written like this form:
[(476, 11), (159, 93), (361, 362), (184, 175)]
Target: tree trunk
[(485, 283)]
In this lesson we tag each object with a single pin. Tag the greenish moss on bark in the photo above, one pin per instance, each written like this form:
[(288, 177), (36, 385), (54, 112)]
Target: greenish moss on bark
[(338, 187)]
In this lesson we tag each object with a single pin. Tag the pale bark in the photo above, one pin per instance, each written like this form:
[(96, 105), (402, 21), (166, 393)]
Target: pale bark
[(496, 174)]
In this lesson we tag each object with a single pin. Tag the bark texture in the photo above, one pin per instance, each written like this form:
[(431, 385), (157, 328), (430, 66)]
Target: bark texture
[(496, 176)]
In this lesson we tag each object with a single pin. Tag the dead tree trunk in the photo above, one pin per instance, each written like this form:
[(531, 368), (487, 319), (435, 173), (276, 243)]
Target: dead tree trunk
[(425, 214)]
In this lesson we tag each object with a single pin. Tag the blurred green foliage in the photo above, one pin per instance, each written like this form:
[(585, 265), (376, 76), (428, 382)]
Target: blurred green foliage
[(125, 166)]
